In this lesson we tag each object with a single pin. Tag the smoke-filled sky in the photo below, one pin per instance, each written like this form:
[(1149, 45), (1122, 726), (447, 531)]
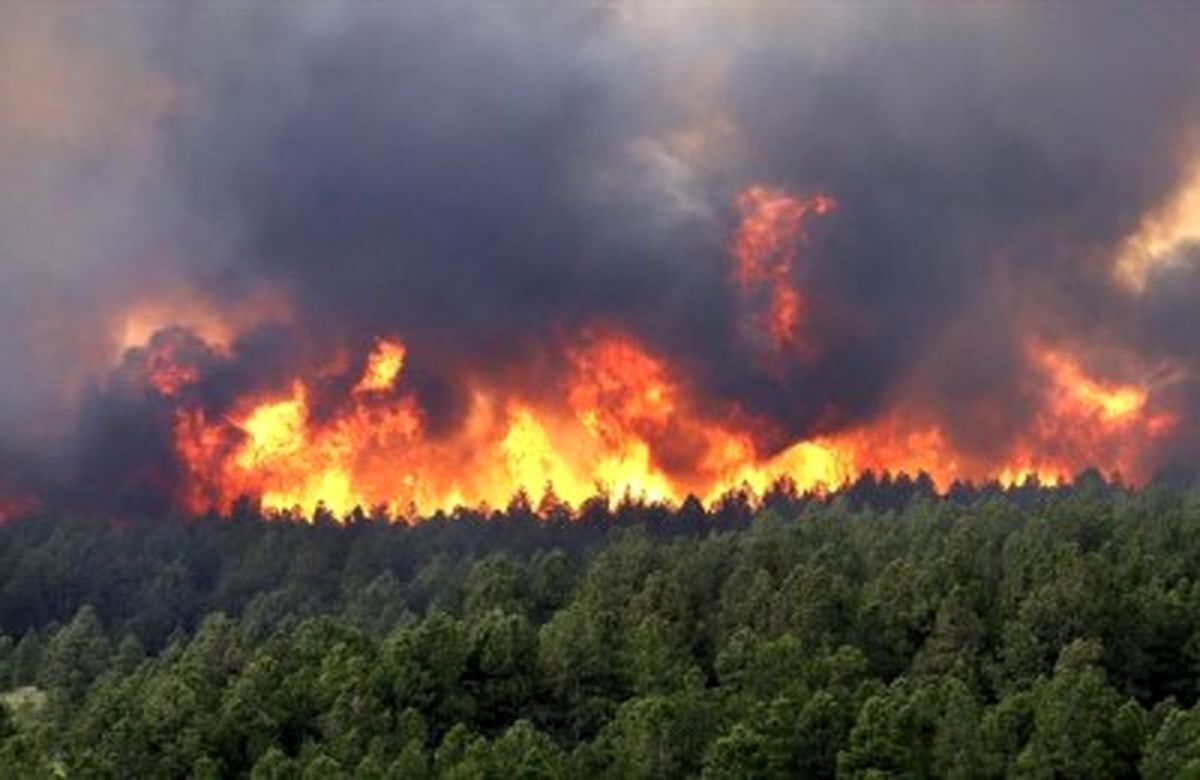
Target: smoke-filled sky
[(486, 180)]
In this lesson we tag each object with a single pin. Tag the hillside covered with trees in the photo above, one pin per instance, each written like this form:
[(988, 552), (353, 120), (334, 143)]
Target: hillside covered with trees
[(880, 632)]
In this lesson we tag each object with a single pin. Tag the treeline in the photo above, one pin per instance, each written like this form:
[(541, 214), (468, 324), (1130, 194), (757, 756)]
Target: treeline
[(882, 632), (150, 577)]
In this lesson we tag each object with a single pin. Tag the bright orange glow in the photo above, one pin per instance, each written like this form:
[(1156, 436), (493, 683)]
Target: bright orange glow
[(765, 251), (376, 452), (622, 420), (1086, 420), (1075, 391), (140, 324), (1163, 231), (384, 365), (625, 426), (216, 325), (167, 375)]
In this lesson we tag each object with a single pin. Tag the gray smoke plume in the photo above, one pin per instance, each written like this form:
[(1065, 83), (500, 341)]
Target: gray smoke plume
[(484, 179)]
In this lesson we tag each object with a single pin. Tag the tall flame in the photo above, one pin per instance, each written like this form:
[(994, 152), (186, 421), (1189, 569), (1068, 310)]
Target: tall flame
[(626, 427), (384, 365), (765, 252), (623, 420)]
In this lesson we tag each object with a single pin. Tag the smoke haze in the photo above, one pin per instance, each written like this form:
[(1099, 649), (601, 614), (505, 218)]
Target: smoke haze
[(271, 189)]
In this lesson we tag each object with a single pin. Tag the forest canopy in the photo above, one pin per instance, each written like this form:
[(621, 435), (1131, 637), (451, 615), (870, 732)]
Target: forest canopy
[(883, 631)]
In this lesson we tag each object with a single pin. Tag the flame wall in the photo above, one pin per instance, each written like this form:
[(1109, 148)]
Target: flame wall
[(418, 255)]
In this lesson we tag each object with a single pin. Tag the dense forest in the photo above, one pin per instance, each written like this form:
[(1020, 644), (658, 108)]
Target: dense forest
[(880, 632)]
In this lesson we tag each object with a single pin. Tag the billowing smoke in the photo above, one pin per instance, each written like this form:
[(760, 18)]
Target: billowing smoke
[(273, 188)]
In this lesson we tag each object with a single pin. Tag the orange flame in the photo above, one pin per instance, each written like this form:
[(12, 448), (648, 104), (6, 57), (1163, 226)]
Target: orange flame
[(1086, 420), (625, 426), (623, 422), (384, 365), (166, 373), (1077, 394), (765, 251)]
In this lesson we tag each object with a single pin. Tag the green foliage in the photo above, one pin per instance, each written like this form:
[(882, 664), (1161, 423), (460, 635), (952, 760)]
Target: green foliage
[(524, 753), (1080, 728), (742, 753), (893, 735), (657, 736), (6, 666), (273, 765), (1175, 749), (7, 727), (76, 655), (1033, 633)]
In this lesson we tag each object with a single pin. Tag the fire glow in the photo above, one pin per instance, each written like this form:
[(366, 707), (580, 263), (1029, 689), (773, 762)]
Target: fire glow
[(396, 255), (622, 410), (765, 254), (622, 422)]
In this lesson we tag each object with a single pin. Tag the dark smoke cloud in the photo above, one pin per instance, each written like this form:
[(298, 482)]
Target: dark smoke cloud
[(483, 179)]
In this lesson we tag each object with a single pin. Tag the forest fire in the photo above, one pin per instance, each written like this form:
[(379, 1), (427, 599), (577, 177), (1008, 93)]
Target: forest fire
[(614, 388), (626, 427), (765, 253), (620, 419), (660, 274), (620, 431)]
